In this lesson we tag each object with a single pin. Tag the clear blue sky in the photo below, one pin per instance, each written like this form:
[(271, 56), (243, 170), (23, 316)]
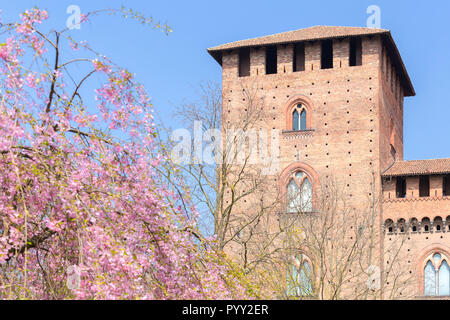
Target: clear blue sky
[(171, 67)]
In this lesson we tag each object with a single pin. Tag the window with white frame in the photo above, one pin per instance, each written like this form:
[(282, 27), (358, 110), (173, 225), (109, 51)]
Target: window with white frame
[(437, 276), (299, 118)]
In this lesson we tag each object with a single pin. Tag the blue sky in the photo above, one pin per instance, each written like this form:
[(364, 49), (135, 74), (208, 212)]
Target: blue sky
[(171, 67)]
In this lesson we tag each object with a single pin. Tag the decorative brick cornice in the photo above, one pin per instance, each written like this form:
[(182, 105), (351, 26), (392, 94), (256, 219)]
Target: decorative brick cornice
[(290, 134), (416, 199)]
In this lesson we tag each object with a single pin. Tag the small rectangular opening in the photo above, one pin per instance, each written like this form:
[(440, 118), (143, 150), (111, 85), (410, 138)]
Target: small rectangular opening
[(401, 187), (327, 54), (299, 57), (424, 186), (244, 62), (446, 185), (271, 60), (355, 52)]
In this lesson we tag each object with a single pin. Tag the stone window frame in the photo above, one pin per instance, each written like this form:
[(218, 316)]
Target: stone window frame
[(423, 259), (299, 184), (286, 176), (290, 107)]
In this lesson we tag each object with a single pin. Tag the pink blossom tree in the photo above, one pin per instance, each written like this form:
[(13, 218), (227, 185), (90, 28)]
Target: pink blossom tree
[(84, 213)]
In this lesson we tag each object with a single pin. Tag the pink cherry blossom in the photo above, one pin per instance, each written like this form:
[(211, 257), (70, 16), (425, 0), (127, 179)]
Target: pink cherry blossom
[(74, 192)]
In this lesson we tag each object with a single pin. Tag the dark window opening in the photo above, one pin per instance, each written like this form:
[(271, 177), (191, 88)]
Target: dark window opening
[(424, 186), (401, 187), (271, 60), (427, 228), (446, 186), (414, 228), (244, 62), (327, 54), (299, 57), (355, 52), (389, 224)]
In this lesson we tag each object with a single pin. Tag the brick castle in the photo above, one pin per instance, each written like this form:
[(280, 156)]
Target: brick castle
[(336, 94)]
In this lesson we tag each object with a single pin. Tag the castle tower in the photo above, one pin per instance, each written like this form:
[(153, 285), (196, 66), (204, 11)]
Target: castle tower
[(336, 95)]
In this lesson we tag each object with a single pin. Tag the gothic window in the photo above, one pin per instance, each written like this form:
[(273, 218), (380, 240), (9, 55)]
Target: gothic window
[(299, 277), (401, 225), (437, 276), (299, 194), (299, 118)]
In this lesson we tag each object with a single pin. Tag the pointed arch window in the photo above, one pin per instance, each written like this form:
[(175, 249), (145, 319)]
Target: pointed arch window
[(299, 194), (437, 276), (299, 118), (299, 277)]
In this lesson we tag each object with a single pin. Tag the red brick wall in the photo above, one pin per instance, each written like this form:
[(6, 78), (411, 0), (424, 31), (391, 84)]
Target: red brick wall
[(356, 114)]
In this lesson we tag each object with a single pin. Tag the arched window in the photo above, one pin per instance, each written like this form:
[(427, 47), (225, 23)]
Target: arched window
[(299, 277), (426, 225), (299, 118), (437, 276), (414, 225), (401, 225), (299, 194), (437, 224), (389, 226)]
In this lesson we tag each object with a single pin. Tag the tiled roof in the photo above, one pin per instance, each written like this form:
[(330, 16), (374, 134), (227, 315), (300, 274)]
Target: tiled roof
[(318, 33), (308, 34), (418, 167)]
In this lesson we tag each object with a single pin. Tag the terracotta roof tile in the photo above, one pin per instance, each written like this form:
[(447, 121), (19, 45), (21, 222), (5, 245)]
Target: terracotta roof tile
[(418, 167), (317, 33), (312, 33)]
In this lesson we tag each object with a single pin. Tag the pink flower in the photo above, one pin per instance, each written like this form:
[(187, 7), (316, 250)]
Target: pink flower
[(53, 226)]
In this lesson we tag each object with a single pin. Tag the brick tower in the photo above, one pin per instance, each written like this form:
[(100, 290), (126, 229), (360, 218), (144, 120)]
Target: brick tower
[(336, 95)]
